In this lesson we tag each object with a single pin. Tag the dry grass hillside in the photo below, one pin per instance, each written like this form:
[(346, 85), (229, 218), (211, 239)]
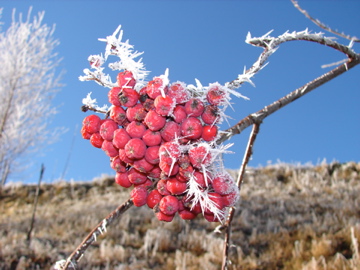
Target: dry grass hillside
[(289, 217)]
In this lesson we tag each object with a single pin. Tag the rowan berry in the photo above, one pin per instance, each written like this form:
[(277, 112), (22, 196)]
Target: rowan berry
[(139, 196), (154, 121), (96, 140), (191, 128), (209, 133), (125, 79), (194, 107), (135, 148), (122, 179), (169, 205), (92, 123)]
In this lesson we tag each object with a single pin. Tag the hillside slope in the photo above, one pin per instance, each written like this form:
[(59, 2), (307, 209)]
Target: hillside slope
[(289, 217)]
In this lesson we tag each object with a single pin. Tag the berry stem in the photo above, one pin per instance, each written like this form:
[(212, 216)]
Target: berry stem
[(75, 257), (227, 224)]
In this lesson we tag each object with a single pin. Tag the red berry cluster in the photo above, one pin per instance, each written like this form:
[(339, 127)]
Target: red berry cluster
[(161, 142)]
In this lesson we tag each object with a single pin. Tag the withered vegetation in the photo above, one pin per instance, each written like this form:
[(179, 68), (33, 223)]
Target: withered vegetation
[(289, 217)]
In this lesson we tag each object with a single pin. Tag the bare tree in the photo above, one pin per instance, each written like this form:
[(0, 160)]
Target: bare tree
[(28, 83)]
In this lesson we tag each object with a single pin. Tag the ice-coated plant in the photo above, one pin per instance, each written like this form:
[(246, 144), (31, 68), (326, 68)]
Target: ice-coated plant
[(163, 139), (176, 113)]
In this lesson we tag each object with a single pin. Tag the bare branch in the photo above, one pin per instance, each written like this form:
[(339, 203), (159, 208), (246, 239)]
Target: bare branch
[(227, 224), (260, 115), (322, 25), (75, 257)]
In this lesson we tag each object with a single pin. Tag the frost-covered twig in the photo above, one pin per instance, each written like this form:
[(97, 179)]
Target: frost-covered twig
[(227, 224), (75, 257), (322, 25), (260, 115)]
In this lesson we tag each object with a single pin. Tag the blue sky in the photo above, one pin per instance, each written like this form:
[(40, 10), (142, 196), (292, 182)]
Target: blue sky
[(205, 40)]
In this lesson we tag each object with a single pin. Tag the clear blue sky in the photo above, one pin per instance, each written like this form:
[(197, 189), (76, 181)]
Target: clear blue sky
[(205, 40)]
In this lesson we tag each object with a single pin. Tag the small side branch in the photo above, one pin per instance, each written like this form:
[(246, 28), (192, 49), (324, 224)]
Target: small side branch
[(260, 115), (227, 225), (75, 257), (322, 25)]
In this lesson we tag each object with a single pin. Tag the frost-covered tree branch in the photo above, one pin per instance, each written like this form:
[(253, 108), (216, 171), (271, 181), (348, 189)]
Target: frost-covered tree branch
[(28, 83)]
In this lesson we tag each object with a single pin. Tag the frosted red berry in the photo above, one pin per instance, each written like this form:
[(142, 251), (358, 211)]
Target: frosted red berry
[(152, 138), (153, 198), (154, 88), (135, 149), (96, 140), (170, 131), (194, 107), (211, 115), (92, 123), (191, 128), (121, 138), (135, 129), (139, 196), (107, 129), (126, 79), (216, 94), (122, 179), (113, 96), (223, 184), (175, 187), (109, 148), (154, 121), (164, 105), (169, 205), (179, 113), (118, 114), (128, 97), (200, 156)]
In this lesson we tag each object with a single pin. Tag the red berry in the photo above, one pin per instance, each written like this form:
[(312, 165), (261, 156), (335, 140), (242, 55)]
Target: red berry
[(154, 121), (169, 169), (148, 104), (154, 88), (175, 187), (209, 133), (135, 129), (169, 205), (107, 129), (152, 154), (170, 131), (200, 156), (162, 217), (177, 91), (223, 184), (135, 149), (122, 179), (136, 112), (121, 137), (109, 148), (200, 179), (92, 123), (142, 165), (136, 177), (153, 198), (211, 115), (147, 184), (123, 157), (152, 138), (113, 96), (161, 187), (179, 113), (194, 107), (211, 217), (126, 79), (118, 165), (96, 140), (139, 196), (164, 105), (216, 95), (86, 135), (231, 199), (217, 199), (128, 97), (118, 114), (187, 214), (155, 172), (191, 128)]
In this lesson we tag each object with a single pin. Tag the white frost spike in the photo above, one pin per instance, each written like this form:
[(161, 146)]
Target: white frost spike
[(88, 101), (165, 82)]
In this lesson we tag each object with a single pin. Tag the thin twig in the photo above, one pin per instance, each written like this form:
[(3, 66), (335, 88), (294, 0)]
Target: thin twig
[(227, 225), (28, 237), (75, 257), (322, 25), (260, 115)]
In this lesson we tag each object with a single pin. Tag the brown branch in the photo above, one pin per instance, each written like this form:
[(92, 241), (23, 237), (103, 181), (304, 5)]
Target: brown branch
[(260, 115), (322, 25), (75, 257), (227, 225)]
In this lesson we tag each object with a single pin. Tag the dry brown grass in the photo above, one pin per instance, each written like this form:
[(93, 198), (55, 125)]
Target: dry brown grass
[(290, 217)]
